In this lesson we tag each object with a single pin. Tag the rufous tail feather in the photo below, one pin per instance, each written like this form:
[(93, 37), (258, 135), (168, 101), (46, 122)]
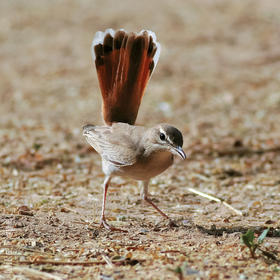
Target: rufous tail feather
[(124, 63)]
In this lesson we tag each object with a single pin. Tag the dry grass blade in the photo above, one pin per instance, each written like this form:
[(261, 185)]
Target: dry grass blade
[(107, 260), (210, 197)]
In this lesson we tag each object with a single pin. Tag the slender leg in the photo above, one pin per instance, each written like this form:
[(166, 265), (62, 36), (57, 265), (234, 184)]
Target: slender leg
[(105, 188), (145, 185), (103, 222)]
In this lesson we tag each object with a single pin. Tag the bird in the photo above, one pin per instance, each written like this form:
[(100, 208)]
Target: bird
[(124, 63)]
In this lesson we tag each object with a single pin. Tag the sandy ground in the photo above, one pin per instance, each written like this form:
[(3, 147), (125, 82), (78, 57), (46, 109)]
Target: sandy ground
[(217, 80)]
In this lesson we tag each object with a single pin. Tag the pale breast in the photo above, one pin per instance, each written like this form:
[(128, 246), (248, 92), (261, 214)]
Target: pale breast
[(147, 167)]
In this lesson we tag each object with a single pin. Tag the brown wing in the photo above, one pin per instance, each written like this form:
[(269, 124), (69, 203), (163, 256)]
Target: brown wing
[(124, 63), (121, 151)]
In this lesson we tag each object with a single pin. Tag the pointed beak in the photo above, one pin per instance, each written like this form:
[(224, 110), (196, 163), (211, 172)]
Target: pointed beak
[(179, 151)]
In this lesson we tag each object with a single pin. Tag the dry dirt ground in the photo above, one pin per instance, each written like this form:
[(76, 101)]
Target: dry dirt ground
[(217, 80)]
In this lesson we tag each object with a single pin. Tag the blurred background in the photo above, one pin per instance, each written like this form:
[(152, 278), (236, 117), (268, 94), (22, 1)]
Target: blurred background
[(217, 80), (217, 77)]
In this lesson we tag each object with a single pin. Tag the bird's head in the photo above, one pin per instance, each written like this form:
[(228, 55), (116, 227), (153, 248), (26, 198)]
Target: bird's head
[(167, 137)]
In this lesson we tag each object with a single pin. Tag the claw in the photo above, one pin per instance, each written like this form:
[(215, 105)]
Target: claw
[(104, 224)]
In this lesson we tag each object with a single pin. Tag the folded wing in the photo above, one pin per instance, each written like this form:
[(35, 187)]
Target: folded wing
[(120, 151)]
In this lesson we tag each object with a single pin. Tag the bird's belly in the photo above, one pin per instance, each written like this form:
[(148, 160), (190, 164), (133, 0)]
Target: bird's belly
[(146, 168)]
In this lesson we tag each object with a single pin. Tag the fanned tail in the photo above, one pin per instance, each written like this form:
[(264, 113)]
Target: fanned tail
[(124, 63)]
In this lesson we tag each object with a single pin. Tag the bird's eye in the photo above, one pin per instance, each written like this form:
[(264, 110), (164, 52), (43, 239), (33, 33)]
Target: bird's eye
[(162, 137)]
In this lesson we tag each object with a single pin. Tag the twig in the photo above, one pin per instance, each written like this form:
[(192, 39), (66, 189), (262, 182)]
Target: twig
[(210, 197), (42, 262), (213, 230), (270, 255), (38, 262)]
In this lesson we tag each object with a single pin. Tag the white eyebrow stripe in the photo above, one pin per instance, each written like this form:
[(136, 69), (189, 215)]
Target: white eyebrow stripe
[(167, 137), (162, 131)]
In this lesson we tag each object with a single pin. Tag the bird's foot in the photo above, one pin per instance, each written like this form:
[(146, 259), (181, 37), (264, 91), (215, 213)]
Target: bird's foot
[(172, 223), (104, 224)]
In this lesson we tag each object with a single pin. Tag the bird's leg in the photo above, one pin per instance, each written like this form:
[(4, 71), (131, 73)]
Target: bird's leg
[(145, 196), (103, 222)]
